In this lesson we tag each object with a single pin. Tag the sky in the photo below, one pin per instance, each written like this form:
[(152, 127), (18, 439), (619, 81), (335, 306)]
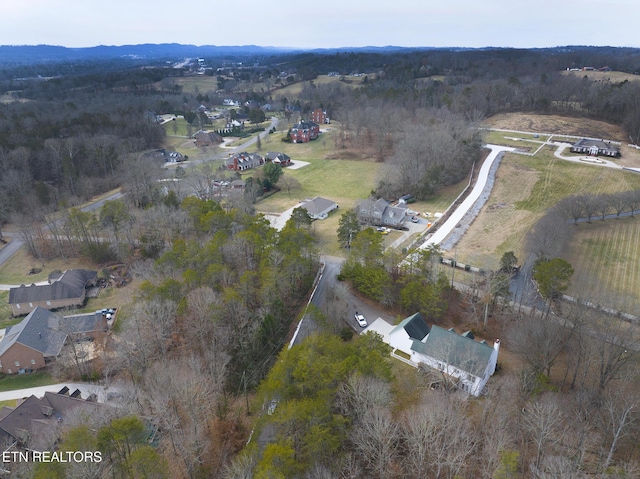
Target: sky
[(322, 23)]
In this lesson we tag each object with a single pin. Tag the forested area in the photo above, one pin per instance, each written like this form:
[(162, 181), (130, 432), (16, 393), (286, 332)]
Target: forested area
[(218, 289)]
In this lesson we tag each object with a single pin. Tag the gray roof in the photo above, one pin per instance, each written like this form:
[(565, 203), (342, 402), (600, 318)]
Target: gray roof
[(69, 285), (456, 350), (415, 326), (394, 214), (369, 208), (83, 323), (39, 330), (600, 144), (318, 205), (276, 155), (37, 416)]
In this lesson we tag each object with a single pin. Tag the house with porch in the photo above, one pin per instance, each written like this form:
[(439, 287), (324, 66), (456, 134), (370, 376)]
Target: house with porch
[(459, 357), (595, 148), (244, 161)]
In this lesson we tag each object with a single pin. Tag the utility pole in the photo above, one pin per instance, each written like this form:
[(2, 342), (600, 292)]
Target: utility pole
[(453, 266)]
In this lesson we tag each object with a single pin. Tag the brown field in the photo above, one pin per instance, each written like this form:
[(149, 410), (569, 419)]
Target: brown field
[(541, 182), (613, 76), (557, 125), (500, 226)]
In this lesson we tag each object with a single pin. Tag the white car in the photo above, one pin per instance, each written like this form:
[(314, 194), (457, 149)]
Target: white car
[(362, 321)]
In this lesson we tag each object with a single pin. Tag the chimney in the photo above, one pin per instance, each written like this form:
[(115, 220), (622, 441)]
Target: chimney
[(496, 345)]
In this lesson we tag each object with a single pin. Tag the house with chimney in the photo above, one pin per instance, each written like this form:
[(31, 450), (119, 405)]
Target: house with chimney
[(595, 148), (459, 357), (319, 116), (304, 132), (244, 161), (34, 423)]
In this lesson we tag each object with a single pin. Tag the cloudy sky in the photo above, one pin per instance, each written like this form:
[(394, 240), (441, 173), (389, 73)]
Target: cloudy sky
[(322, 23)]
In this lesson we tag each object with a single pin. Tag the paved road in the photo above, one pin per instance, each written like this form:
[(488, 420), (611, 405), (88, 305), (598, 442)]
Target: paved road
[(10, 249)]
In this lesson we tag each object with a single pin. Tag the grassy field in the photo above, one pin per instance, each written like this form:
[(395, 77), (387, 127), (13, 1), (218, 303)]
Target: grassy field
[(15, 271), (606, 259), (294, 90), (343, 180), (23, 381), (612, 76), (541, 182)]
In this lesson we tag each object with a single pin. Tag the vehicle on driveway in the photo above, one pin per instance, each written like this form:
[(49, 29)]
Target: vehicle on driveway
[(362, 321)]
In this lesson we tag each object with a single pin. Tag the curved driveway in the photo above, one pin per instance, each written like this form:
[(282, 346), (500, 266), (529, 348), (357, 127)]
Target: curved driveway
[(469, 201)]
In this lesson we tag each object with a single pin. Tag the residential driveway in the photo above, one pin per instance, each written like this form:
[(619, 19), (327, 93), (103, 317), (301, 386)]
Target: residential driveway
[(455, 218), (584, 160), (9, 249), (297, 164), (278, 221)]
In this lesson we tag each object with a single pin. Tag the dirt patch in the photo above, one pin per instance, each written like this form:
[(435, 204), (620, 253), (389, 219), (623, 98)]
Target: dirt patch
[(556, 124), (347, 155)]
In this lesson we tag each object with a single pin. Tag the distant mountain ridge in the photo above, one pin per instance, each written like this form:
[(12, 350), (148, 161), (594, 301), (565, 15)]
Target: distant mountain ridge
[(21, 54)]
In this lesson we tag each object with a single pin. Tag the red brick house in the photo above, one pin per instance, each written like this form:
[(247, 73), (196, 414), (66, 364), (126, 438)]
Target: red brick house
[(319, 116), (278, 158), (38, 339), (304, 132), (244, 161)]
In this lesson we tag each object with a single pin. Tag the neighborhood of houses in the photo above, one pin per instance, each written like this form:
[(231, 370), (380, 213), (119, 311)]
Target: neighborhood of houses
[(41, 336)]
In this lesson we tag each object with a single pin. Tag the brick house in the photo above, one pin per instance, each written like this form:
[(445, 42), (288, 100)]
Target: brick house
[(319, 116), (304, 132), (278, 158), (64, 290), (244, 161), (39, 338)]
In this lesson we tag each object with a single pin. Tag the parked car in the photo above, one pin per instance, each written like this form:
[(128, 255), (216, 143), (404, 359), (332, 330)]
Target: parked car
[(414, 219), (362, 321)]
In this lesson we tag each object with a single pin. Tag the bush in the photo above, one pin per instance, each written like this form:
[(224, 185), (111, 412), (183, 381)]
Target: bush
[(346, 333)]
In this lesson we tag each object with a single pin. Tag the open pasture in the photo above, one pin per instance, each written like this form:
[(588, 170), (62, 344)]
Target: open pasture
[(525, 188), (606, 259)]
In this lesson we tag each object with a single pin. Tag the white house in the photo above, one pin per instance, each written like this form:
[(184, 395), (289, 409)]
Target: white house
[(459, 356)]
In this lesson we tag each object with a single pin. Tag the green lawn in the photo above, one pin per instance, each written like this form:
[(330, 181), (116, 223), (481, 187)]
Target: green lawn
[(559, 178), (606, 259), (23, 381)]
